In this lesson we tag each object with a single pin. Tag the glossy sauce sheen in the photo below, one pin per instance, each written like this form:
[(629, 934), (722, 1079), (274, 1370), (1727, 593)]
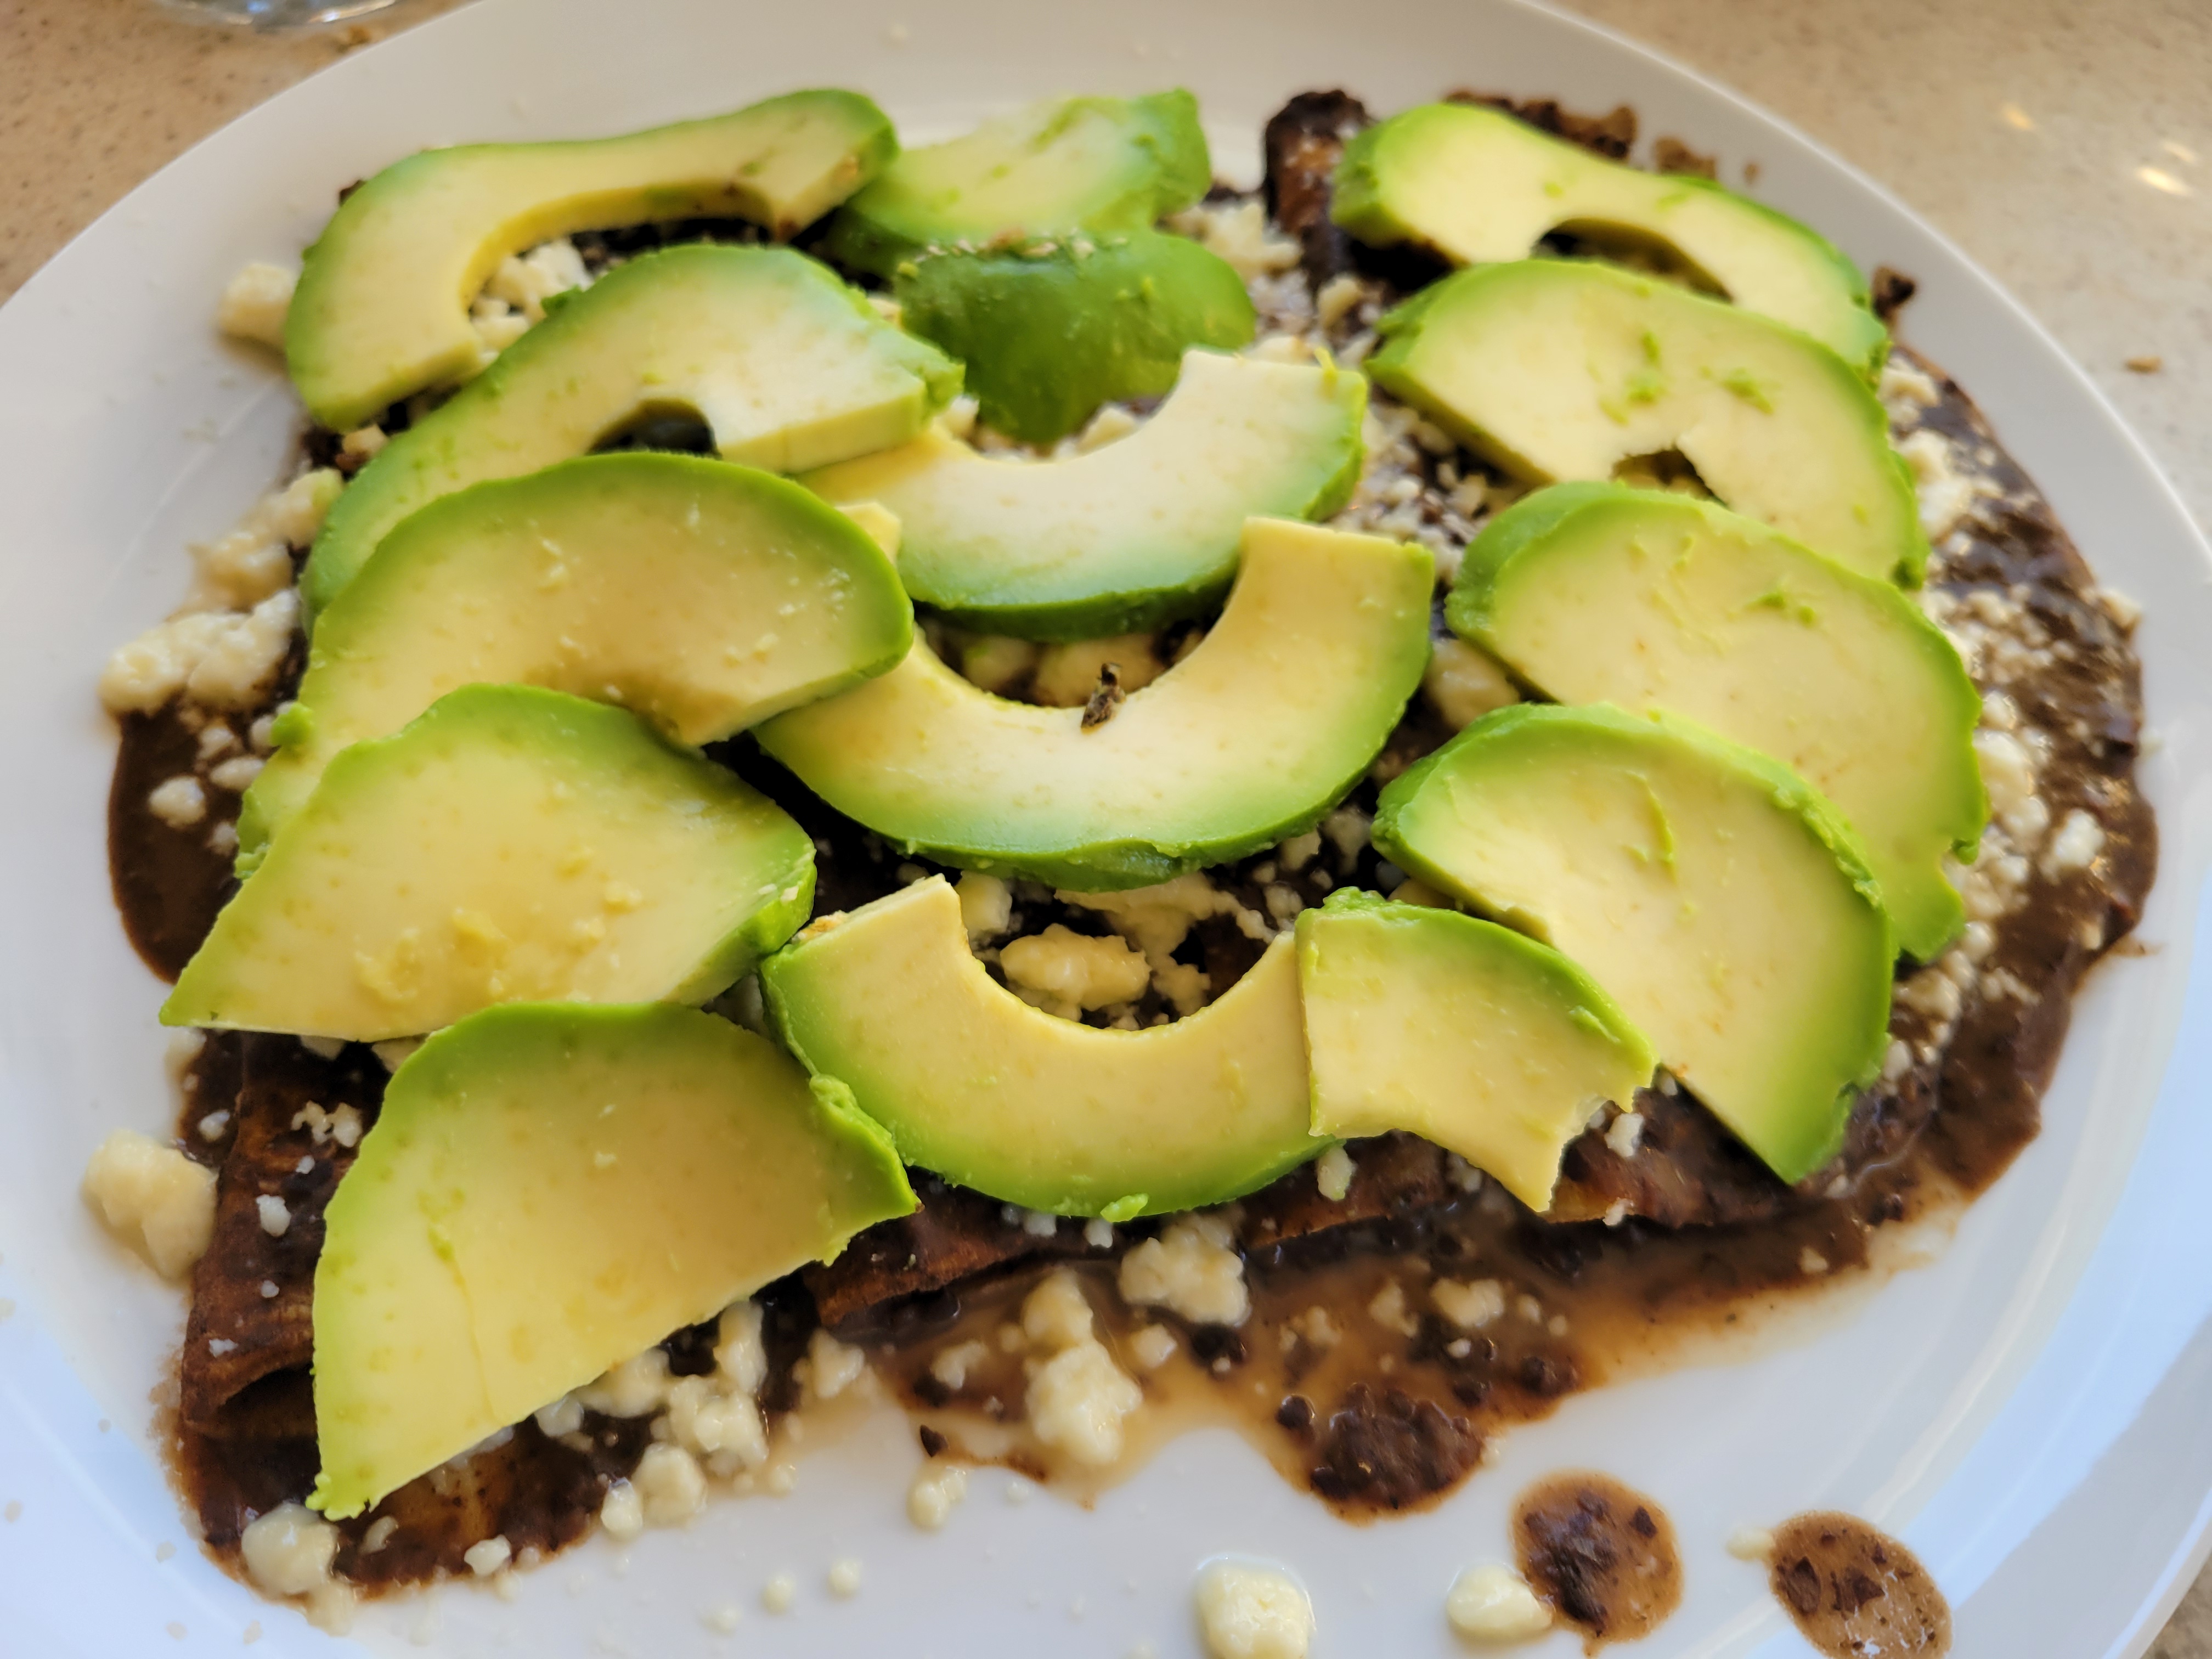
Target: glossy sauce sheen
[(1601, 1555), (1856, 1592)]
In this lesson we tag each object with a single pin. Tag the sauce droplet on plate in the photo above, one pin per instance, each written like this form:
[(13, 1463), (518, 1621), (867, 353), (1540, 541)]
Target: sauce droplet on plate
[(1601, 1554), (1856, 1592)]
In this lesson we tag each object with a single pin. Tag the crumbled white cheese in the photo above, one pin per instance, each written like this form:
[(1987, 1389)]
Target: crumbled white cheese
[(275, 1216), (671, 1484), (525, 283), (180, 802), (2076, 847), (1067, 674), (1469, 1305), (951, 1366), (254, 302), (1492, 1603), (1388, 1309), (215, 738), (987, 905), (1903, 387), (776, 1594), (636, 1388), (832, 1366), (723, 1620), (1625, 1134), (1347, 830), (236, 774), (143, 675), (1946, 493), (241, 655), (622, 1513), (1337, 296), (1238, 232), (1333, 1172), (1465, 682), (937, 1491), (1751, 1544), (1193, 1269), (1055, 1316), (1299, 851), (1811, 1262), (1098, 1233), (725, 1428), (1064, 972), (845, 1580), (1151, 1347), (288, 1551), (564, 1417), (1077, 1401), (1318, 1328), (2124, 611), (155, 1197), (491, 1555), (363, 444), (1251, 1612)]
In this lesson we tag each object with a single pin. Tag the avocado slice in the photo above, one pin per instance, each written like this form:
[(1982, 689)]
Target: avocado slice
[(548, 1190), (1480, 188), (1138, 532), (992, 1094), (790, 368), (1094, 164), (381, 310), (1559, 369), (699, 595), (1461, 1031), (1050, 331), (1249, 738), (510, 845), (1715, 895), (1595, 593)]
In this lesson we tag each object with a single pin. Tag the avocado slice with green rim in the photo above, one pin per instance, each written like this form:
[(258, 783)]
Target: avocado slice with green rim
[(1717, 898), (381, 310), (1094, 164), (548, 1190), (1138, 533), (1595, 593), (1050, 331), (996, 1096), (1560, 369), (1480, 188), (510, 845), (1250, 738), (1461, 1031), (788, 366), (701, 596)]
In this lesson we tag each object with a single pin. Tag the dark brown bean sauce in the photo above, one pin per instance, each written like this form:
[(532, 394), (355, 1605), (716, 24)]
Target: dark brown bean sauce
[(1352, 1372), (1601, 1555), (1856, 1592)]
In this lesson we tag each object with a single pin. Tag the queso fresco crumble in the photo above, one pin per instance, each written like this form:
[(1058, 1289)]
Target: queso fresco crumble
[(1376, 1308)]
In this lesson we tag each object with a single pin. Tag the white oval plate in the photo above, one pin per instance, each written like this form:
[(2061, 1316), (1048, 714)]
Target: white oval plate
[(2026, 1412)]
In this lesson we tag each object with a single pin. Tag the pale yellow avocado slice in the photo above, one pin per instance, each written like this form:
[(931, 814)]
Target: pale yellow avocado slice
[(1482, 187), (1134, 533), (1033, 1110), (1461, 1031), (789, 367), (510, 845), (549, 1190), (1251, 738), (1561, 370), (382, 308), (702, 596), (1722, 902)]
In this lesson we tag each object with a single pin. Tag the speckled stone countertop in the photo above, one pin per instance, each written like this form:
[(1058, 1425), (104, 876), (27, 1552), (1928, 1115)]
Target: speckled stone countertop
[(2065, 144)]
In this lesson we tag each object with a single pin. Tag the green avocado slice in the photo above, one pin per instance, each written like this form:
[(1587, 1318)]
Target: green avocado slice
[(1050, 331), (1480, 188), (548, 1190), (701, 596), (788, 367), (1714, 894), (1101, 165), (1137, 533), (510, 845), (1560, 369), (1595, 593), (381, 311), (1461, 1031), (973, 1083), (1251, 738)]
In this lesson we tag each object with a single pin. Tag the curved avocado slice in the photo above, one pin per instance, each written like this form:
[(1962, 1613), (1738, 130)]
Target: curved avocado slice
[(1094, 164), (511, 845), (1718, 898), (1138, 532), (381, 311), (702, 596), (1480, 188), (973, 1083), (1251, 738), (1595, 593), (790, 368), (1462, 1031), (548, 1190), (1561, 370), (1050, 331)]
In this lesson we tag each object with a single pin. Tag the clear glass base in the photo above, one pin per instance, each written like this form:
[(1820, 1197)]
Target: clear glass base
[(273, 13)]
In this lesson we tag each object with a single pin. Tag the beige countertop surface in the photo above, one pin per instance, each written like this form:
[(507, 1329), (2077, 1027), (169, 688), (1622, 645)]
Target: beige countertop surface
[(2065, 144)]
